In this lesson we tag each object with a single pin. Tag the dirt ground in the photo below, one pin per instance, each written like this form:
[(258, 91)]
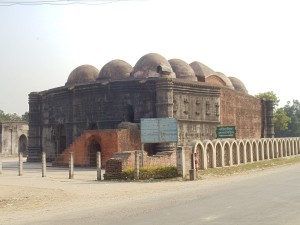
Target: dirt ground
[(24, 198)]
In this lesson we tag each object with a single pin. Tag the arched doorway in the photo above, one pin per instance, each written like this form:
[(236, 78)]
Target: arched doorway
[(93, 148), (23, 145)]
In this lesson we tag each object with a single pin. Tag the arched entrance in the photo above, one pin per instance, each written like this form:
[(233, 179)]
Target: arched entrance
[(93, 148), (23, 145)]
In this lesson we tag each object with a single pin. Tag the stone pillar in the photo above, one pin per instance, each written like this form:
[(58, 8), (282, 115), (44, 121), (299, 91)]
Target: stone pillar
[(35, 128), (268, 119), (164, 108)]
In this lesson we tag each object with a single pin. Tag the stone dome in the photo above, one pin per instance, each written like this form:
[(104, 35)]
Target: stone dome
[(201, 70), (238, 85), (219, 79), (83, 74), (147, 66), (182, 70), (115, 69)]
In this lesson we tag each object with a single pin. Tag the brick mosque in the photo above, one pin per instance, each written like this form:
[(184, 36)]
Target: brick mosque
[(101, 110)]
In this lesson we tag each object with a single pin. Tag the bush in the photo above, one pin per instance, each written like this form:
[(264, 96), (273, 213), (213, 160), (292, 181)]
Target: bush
[(158, 172)]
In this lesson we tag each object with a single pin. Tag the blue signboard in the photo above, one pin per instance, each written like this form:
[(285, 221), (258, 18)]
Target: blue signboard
[(159, 130)]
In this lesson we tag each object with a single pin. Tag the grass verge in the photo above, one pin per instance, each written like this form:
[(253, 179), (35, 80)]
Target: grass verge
[(245, 168)]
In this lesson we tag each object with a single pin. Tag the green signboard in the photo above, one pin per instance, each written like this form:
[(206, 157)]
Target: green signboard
[(226, 132)]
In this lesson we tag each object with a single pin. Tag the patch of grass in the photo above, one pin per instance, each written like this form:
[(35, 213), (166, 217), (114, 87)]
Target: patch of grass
[(244, 168), (158, 172)]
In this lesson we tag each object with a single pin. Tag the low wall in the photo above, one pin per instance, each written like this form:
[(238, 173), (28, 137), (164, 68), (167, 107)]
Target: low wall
[(210, 154), (229, 152), (125, 160)]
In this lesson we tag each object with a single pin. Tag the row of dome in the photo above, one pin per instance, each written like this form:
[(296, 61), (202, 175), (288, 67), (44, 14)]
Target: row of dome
[(153, 65)]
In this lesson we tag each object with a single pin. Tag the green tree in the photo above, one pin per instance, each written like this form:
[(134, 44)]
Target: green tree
[(281, 122), (3, 116), (293, 111), (12, 116), (270, 95), (25, 117)]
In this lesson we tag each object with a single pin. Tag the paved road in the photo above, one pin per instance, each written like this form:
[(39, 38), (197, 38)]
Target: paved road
[(267, 198)]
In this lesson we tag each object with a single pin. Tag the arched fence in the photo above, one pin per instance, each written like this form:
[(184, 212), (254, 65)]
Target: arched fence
[(229, 152)]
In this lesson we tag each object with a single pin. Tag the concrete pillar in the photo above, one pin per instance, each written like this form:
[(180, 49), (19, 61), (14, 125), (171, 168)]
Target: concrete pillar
[(99, 172), (71, 165), (136, 165), (214, 159), (245, 154), (180, 161), (44, 164), (20, 164)]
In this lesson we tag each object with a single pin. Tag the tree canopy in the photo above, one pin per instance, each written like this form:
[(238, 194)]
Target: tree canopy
[(13, 116), (270, 95), (292, 110)]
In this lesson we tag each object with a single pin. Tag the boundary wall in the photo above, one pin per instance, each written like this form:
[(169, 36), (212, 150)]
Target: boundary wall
[(231, 152), (209, 154)]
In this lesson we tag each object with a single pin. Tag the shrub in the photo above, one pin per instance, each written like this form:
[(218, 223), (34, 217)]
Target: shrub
[(158, 172)]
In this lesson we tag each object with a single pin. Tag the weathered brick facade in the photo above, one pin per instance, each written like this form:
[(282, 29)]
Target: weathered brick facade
[(243, 111), (110, 142)]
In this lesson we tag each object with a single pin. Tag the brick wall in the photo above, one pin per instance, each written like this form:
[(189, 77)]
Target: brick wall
[(125, 160), (243, 111), (110, 141)]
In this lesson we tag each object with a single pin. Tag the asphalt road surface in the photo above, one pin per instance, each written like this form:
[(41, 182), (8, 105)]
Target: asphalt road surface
[(271, 197)]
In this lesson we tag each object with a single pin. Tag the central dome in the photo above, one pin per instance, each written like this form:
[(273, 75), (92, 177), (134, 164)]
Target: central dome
[(148, 64), (115, 69)]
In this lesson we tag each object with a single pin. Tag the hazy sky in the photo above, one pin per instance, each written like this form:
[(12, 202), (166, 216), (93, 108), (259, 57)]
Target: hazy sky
[(257, 41)]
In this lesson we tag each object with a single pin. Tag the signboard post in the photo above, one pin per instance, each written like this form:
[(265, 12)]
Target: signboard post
[(158, 130), (226, 132)]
